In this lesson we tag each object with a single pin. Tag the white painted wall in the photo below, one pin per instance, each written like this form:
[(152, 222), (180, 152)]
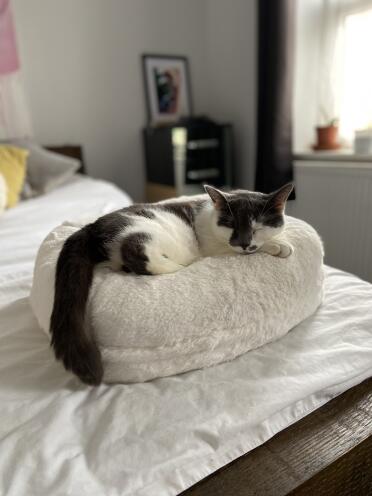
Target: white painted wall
[(83, 79), (82, 73), (231, 55)]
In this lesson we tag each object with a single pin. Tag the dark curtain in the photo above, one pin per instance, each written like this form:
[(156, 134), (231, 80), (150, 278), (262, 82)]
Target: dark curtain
[(275, 90)]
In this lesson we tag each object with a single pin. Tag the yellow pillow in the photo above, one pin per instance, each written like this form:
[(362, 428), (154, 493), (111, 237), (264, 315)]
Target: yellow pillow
[(13, 168)]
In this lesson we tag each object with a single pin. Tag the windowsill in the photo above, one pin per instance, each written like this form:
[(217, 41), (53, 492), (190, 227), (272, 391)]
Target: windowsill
[(341, 155)]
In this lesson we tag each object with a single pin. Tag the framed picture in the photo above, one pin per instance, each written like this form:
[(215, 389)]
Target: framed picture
[(167, 86)]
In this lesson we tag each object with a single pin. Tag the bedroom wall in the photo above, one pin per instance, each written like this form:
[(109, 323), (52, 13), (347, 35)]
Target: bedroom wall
[(82, 73), (231, 55)]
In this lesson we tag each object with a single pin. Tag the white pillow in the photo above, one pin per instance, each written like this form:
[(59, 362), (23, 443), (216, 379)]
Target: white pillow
[(46, 170), (210, 312)]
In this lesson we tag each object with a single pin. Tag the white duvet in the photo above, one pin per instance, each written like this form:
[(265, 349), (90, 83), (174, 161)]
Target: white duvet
[(58, 437)]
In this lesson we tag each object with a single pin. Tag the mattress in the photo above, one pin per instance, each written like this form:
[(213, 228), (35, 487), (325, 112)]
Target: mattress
[(60, 437)]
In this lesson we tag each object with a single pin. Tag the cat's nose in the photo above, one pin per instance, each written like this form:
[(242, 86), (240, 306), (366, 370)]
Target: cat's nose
[(244, 247)]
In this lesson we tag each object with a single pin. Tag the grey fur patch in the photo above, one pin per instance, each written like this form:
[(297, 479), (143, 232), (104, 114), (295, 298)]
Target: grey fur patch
[(184, 210), (133, 253), (105, 230), (140, 210)]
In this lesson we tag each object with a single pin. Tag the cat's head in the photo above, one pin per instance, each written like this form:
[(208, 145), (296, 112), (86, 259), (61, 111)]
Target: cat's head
[(245, 219)]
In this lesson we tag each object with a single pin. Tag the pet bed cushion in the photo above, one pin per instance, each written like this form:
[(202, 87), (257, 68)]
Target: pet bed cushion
[(210, 312)]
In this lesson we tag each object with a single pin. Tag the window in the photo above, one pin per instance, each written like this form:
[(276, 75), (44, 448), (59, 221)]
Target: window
[(333, 73)]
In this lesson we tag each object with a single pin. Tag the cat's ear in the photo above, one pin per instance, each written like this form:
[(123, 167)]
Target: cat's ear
[(218, 198), (279, 197)]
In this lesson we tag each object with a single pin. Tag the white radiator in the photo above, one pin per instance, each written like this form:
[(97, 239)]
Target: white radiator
[(336, 198)]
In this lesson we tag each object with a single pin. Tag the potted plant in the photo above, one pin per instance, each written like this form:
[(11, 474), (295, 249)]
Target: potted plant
[(327, 135)]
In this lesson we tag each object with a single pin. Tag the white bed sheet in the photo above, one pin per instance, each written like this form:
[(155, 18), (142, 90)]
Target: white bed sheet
[(23, 228), (60, 437)]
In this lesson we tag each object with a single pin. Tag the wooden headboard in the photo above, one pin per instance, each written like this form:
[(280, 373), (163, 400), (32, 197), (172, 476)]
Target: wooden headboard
[(74, 151)]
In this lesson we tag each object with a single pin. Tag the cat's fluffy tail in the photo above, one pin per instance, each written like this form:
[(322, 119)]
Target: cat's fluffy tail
[(71, 338)]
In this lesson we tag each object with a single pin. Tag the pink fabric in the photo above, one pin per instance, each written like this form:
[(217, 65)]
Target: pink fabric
[(9, 61)]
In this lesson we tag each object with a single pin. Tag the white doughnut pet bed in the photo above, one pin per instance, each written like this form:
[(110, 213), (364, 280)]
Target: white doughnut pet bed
[(210, 312)]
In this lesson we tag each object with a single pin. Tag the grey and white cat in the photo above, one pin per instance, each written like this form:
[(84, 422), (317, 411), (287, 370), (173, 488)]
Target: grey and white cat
[(151, 239)]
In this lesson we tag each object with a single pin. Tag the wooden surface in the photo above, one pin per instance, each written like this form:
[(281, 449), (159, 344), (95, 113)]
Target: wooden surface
[(328, 453), (156, 192)]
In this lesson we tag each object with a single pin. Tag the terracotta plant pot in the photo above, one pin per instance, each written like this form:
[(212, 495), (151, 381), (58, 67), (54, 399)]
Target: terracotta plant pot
[(327, 137)]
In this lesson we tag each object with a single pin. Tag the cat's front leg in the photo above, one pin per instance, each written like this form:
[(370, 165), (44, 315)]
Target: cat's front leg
[(277, 248)]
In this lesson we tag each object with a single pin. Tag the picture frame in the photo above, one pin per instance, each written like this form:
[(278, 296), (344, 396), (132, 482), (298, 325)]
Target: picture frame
[(167, 88)]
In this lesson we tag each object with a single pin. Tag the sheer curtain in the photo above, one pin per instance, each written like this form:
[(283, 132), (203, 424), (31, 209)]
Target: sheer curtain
[(345, 67), (14, 115), (355, 92)]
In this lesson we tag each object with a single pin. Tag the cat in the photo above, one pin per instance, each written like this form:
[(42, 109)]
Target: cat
[(158, 238)]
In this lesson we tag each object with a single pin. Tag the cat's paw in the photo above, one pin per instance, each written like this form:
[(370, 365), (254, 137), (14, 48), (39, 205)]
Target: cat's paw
[(271, 248), (278, 249), (285, 250)]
